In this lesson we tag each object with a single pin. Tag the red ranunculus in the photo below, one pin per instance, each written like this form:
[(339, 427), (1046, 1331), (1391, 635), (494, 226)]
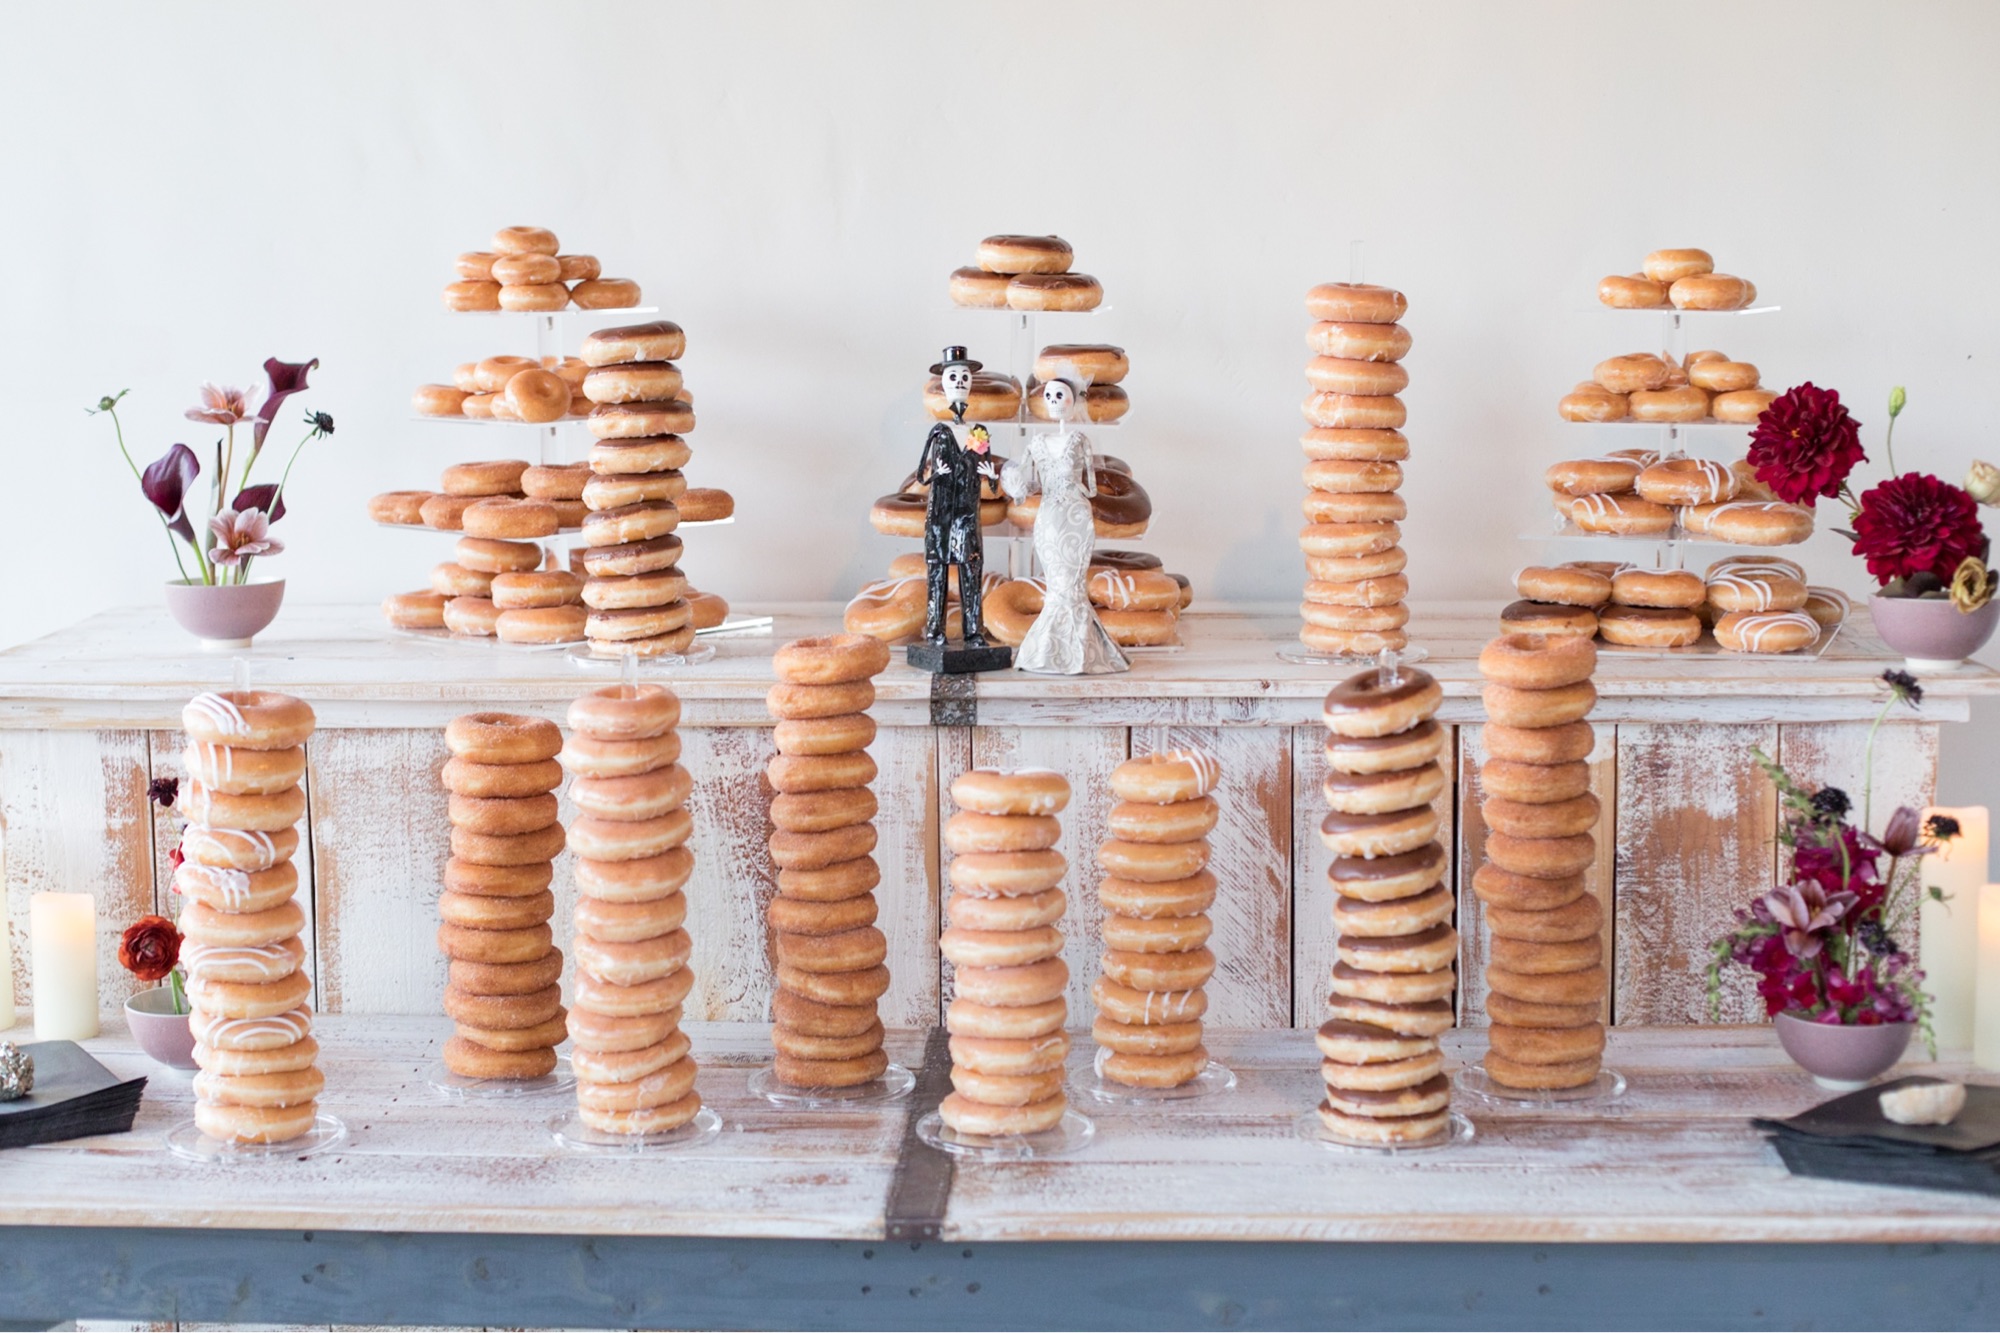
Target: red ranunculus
[(1916, 524), (150, 948), (1805, 444)]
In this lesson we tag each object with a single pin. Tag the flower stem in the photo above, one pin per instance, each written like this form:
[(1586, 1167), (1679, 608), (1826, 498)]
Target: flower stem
[(1868, 768), (139, 477), (1889, 445), (180, 991)]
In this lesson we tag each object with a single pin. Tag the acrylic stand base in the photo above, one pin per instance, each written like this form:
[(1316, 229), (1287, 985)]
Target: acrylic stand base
[(571, 1133), (1216, 1078), (589, 657), (894, 1085), (1313, 1130), (187, 1142), (1069, 1135), (1474, 1081), (459, 1088), (1300, 655), (955, 659)]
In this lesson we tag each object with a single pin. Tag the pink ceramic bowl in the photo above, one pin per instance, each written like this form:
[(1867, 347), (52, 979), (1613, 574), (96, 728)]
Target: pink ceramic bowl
[(160, 1032), (1840, 1056)]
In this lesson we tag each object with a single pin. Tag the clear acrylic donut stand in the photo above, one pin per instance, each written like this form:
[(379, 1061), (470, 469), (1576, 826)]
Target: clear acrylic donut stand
[(1458, 1131), (1474, 1081), (893, 1084), (572, 1135), (1070, 1135), (1214, 1079), (459, 1088)]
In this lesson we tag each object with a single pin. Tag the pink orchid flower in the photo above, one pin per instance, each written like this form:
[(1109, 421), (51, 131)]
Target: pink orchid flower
[(1805, 909), (241, 534), (222, 405)]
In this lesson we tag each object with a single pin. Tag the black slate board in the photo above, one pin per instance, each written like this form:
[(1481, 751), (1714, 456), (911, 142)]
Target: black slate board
[(74, 1097), (1856, 1118)]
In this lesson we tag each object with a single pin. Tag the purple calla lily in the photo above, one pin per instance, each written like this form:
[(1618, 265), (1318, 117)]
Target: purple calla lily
[(166, 482), (265, 497), (287, 378)]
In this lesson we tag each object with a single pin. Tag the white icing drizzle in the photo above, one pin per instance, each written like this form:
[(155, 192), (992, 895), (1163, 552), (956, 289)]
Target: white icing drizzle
[(259, 845), (1172, 1003), (221, 714), (1753, 629), (271, 960), (885, 591), (232, 886), (1207, 771), (1835, 596), (1757, 590), (226, 1033)]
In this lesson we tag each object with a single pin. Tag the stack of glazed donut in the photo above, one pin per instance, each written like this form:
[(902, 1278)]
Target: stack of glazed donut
[(1004, 944), (1755, 604), (1394, 980), (1129, 589), (1545, 959), (1120, 510), (1643, 386), (831, 958), (505, 988), (636, 594), (1095, 368), (524, 271), (1151, 991), (1640, 493), (246, 978), (508, 388), (1354, 451), (1677, 280), (1025, 273), (634, 1074)]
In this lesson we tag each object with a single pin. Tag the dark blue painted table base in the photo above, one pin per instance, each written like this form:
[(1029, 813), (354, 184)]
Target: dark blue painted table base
[(51, 1274)]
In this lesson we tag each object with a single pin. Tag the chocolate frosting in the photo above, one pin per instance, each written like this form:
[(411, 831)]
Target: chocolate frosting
[(1336, 744), (1339, 781), (1339, 823), (1125, 559), (1424, 1091), (1362, 906), (667, 543), (1342, 1028), (1364, 691), (1385, 943)]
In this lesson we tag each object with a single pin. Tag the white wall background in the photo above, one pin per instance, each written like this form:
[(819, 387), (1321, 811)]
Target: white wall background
[(193, 187)]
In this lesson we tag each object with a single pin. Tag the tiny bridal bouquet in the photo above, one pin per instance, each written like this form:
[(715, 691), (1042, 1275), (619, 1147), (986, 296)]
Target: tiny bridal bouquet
[(240, 514)]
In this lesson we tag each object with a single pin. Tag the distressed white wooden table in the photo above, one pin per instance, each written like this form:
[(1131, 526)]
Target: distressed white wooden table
[(471, 1212), (88, 715)]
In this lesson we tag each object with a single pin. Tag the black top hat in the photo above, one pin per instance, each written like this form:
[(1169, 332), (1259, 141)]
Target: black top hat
[(955, 356)]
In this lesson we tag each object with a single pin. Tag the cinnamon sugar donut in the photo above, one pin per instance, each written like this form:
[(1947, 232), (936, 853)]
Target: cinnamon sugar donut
[(1538, 662), (1514, 707)]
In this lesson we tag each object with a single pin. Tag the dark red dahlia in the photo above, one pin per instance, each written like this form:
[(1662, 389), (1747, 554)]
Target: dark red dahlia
[(1916, 524), (1805, 444)]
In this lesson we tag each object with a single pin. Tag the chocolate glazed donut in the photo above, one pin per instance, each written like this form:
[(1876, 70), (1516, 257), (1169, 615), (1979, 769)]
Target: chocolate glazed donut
[(1120, 500)]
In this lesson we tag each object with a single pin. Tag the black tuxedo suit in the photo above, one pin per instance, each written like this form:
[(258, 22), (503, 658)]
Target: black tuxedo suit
[(952, 532)]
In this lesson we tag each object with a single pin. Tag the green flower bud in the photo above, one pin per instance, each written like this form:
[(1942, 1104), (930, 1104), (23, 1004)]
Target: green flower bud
[(1896, 400)]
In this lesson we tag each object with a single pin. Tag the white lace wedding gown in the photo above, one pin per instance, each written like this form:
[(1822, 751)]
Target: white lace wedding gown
[(1066, 639)]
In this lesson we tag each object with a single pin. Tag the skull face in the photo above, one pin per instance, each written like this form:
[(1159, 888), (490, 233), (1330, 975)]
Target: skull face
[(957, 381), (1059, 396)]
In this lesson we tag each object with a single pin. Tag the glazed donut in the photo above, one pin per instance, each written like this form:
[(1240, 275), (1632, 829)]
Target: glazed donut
[(1349, 476), (1540, 745), (634, 591), (1152, 862), (1672, 588), (1026, 912), (493, 374), (507, 849), (1382, 793), (1361, 446), (475, 265), (638, 796), (967, 1116), (247, 720), (1581, 917), (1178, 821), (1365, 706), (501, 815), (630, 1064), (1755, 590), (1633, 291), (706, 504), (642, 629), (974, 286), (664, 1088), (1021, 791), (789, 773), (831, 735), (237, 849), (990, 398), (1002, 1022), (894, 609), (1411, 748), (1011, 1057), (1537, 661), (442, 511), (644, 879), (1367, 379), (1669, 266), (1766, 631), (502, 738), (474, 294), (660, 340), (438, 400), (1593, 403), (1742, 406), (260, 812), (1098, 363), (632, 557), (497, 881), (833, 659), (1555, 819), (1534, 784), (471, 615), (1006, 874), (537, 396), (633, 382), (524, 241), (1686, 481), (500, 476), (1182, 897), (528, 589), (601, 294), (1351, 412), (799, 916), (263, 1060), (1719, 375), (1164, 1070), (249, 999), (1711, 291), (1634, 372), (1391, 987), (470, 778), (1415, 1020), (963, 947), (788, 702), (1147, 1008), (1648, 626), (1390, 917), (509, 519), (510, 270), (630, 488), (633, 962), (255, 1124), (1054, 291), (489, 555), (255, 964), (634, 421), (414, 610), (1372, 836), (1606, 475), (1429, 950), (626, 713), (969, 833), (1165, 777), (1321, 507), (899, 515), (1356, 568), (1680, 403), (1025, 254), (630, 523), (641, 456), (1514, 707), (1034, 983), (598, 839), (1343, 540), (1563, 586), (1389, 591), (1352, 1044), (1351, 341), (1622, 515), (242, 1035), (238, 770), (595, 994), (1163, 934), (227, 889), (1827, 606), (403, 508), (1355, 303), (1132, 590)]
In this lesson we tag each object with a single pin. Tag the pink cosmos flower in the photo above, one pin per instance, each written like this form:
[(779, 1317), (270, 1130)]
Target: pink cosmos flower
[(222, 405), (241, 534)]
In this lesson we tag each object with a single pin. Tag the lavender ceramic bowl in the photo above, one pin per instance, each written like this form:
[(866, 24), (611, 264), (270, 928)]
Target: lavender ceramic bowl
[(1839, 1056), (1931, 633), (160, 1032), (226, 616)]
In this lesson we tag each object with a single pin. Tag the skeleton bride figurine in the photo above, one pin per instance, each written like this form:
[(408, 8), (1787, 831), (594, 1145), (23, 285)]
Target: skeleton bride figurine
[(1066, 639)]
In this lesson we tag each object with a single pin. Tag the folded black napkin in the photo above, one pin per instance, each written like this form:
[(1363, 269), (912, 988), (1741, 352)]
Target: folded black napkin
[(1849, 1138), (74, 1097)]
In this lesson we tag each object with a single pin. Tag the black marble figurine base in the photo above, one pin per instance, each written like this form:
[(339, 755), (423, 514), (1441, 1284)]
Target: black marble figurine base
[(955, 659)]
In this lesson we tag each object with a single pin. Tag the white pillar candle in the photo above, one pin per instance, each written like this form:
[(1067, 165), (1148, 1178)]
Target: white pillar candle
[(6, 941), (1986, 1039), (62, 937), (1948, 932)]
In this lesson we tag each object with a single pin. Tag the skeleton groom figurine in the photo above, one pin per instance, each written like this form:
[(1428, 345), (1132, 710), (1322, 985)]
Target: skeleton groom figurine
[(954, 468)]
